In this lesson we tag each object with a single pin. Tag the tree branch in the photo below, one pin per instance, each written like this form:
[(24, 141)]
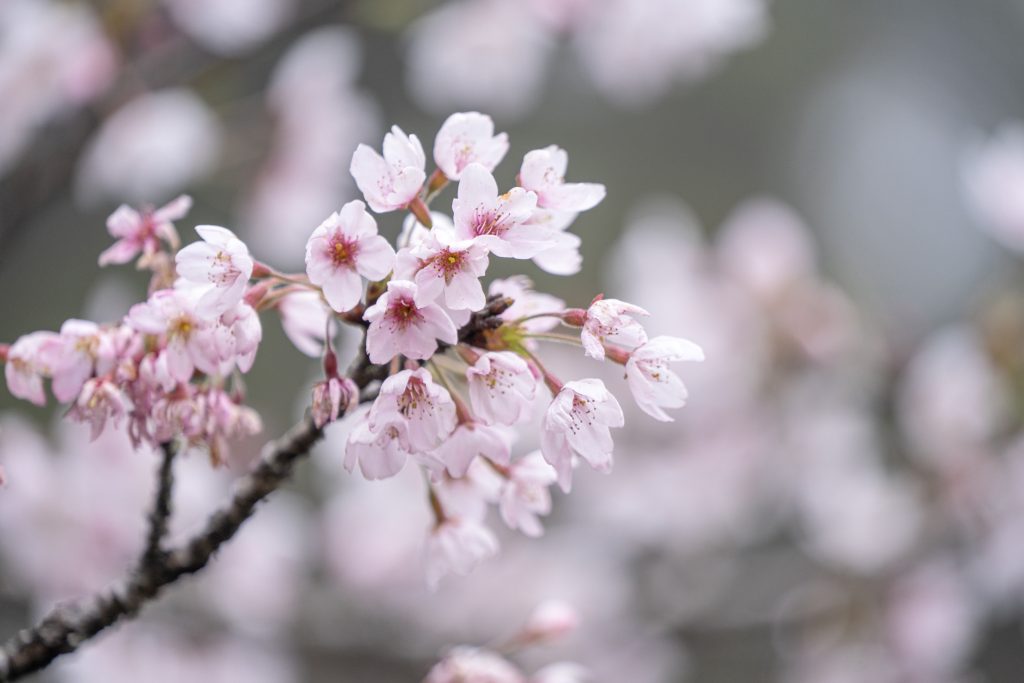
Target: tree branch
[(161, 513)]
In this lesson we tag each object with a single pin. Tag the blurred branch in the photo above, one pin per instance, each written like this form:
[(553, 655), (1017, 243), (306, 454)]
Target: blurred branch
[(161, 513)]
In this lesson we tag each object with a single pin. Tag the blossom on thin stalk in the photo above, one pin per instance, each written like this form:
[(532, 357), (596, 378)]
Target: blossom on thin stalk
[(220, 265), (525, 495), (421, 410), (141, 233), (501, 387), (344, 249), (654, 386), (610, 320), (579, 422), (467, 138)]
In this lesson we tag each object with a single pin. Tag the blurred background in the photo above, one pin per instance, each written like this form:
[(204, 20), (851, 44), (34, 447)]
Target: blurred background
[(827, 196)]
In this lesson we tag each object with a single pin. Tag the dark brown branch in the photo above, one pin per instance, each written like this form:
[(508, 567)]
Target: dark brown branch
[(160, 515)]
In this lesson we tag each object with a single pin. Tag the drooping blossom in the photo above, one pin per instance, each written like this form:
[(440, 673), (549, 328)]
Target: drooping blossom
[(100, 400), (141, 233), (653, 384), (500, 222), (344, 249), (501, 387), (445, 269), (524, 495), (331, 397), (379, 454), (611, 320), (543, 172), (219, 265), (398, 325), (467, 138), (421, 410), (304, 319), (456, 545), (170, 313), (550, 619), (393, 180), (30, 359), (579, 421)]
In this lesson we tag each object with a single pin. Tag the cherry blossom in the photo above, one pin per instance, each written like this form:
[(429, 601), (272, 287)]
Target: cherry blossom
[(170, 313), (611, 320), (501, 387), (447, 270), (220, 265), (578, 421), (100, 400), (30, 359), (525, 495), (304, 318), (543, 172), (343, 248), (141, 233), (501, 223), (393, 180), (398, 325), (85, 349), (527, 303), (463, 664), (654, 386), (468, 138), (456, 545), (379, 454), (468, 440), (421, 410)]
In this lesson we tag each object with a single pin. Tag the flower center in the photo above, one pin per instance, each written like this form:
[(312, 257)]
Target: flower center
[(342, 251), (402, 312)]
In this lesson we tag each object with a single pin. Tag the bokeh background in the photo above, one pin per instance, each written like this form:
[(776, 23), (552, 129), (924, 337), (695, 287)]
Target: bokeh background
[(827, 196)]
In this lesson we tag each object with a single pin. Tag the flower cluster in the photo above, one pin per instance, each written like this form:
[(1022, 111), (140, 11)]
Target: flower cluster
[(459, 368)]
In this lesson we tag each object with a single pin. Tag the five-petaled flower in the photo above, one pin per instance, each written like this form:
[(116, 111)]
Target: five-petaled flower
[(398, 325), (500, 222), (393, 180), (220, 267), (579, 421), (467, 138)]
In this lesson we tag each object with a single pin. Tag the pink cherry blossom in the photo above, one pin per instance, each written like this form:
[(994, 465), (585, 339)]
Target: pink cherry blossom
[(561, 672), (543, 172), (169, 313), (331, 397), (85, 349), (527, 302), (398, 325), (563, 257), (467, 138), (379, 454), (501, 223), (141, 233), (220, 265), (501, 387), (422, 410), (469, 664), (343, 248), (393, 180), (654, 386), (30, 359), (457, 545), (469, 440), (551, 619), (443, 268), (304, 318), (579, 421), (525, 494), (100, 400), (611, 320)]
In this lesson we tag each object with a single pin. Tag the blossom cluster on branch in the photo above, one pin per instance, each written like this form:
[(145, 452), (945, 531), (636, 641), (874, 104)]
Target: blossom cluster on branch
[(459, 368)]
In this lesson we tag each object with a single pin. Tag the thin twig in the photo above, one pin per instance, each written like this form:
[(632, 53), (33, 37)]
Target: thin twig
[(160, 515)]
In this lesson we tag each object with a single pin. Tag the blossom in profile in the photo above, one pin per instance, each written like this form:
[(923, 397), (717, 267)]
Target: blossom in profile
[(421, 409), (500, 222), (220, 266), (457, 545), (344, 249), (398, 325), (468, 440), (29, 359), (467, 138), (653, 384), (579, 422), (543, 172), (501, 387), (525, 496), (611, 320), (379, 454), (392, 180)]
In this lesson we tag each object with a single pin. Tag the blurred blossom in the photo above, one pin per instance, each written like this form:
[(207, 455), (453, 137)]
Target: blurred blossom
[(230, 27), (478, 54), (53, 57), (153, 653), (993, 176), (152, 147), (320, 116)]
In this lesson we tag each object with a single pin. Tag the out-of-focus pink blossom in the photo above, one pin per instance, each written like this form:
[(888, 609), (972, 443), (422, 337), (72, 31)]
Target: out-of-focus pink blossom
[(379, 454), (993, 175), (501, 223), (140, 233), (230, 27), (543, 172), (474, 665), (578, 421), (653, 384), (551, 619), (304, 318), (456, 545), (469, 440), (220, 265), (501, 387), (85, 349), (30, 359), (398, 325), (524, 495), (562, 672), (332, 396), (611, 320), (393, 180), (527, 302), (421, 410), (467, 138), (342, 250), (100, 400)]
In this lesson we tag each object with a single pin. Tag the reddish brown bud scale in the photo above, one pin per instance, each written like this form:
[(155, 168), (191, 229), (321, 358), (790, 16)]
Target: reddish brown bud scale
[(575, 317)]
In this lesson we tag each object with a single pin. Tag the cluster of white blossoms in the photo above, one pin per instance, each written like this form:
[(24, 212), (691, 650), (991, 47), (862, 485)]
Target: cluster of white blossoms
[(458, 367)]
